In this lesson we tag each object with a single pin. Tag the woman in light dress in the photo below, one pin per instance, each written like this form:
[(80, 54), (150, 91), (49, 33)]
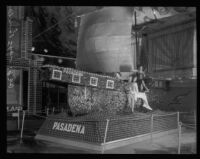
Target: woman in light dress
[(134, 94)]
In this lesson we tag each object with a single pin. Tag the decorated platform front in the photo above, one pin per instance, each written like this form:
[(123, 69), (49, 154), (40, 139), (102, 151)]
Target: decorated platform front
[(100, 128), (100, 132), (78, 77), (78, 128), (83, 100)]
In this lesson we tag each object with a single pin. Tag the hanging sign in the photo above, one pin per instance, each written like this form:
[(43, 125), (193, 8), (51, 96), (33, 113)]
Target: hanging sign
[(13, 108), (57, 75), (13, 86), (93, 81), (110, 84), (76, 78), (11, 77), (11, 33), (68, 127)]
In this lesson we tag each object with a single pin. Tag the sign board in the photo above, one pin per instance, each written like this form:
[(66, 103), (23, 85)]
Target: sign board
[(13, 108), (76, 78), (110, 84), (13, 86), (57, 75), (13, 34), (93, 81), (68, 127)]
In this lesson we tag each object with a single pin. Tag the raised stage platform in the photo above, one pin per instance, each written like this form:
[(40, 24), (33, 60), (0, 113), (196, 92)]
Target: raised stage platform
[(101, 132)]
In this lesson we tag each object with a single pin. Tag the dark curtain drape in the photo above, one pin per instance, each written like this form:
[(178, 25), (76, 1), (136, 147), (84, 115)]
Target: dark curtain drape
[(168, 51)]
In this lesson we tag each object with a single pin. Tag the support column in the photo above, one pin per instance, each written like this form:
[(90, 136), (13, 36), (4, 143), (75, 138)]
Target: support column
[(194, 69)]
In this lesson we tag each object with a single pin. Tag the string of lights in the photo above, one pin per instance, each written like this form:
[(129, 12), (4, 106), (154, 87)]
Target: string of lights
[(52, 56), (53, 26), (62, 20)]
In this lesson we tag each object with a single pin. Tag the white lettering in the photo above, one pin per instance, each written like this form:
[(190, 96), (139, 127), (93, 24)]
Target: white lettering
[(58, 126), (78, 127), (65, 127), (69, 127), (54, 125), (82, 130), (13, 108), (61, 126), (74, 128)]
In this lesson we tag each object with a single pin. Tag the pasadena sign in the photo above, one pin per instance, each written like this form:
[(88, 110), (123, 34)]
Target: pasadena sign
[(80, 129)]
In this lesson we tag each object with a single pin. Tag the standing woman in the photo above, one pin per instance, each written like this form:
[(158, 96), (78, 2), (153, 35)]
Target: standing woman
[(131, 94), (137, 94), (140, 80)]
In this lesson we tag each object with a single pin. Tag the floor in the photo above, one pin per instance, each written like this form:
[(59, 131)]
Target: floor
[(167, 144)]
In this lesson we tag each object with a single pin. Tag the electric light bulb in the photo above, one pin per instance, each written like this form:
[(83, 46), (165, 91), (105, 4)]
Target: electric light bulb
[(45, 50), (33, 49), (60, 60)]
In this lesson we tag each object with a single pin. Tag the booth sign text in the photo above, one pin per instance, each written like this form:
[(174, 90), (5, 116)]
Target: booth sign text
[(75, 128)]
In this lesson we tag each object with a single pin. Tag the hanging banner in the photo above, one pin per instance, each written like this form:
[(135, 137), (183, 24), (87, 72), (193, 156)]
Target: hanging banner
[(13, 34), (13, 86)]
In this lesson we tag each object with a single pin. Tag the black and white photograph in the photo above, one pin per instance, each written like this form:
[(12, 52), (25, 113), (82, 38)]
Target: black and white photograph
[(101, 79)]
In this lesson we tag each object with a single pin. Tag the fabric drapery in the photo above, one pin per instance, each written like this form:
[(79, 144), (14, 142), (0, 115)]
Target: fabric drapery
[(170, 50)]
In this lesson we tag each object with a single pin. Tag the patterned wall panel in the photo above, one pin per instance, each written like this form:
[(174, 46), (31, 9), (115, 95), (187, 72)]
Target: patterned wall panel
[(175, 96), (83, 100), (38, 90), (31, 108), (170, 51)]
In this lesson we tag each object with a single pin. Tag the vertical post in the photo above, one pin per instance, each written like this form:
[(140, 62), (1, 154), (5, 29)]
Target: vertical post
[(53, 109), (151, 128), (105, 135), (178, 118), (22, 128), (85, 93), (106, 130), (47, 111), (195, 119), (29, 83), (195, 51), (35, 87), (195, 127), (18, 119), (136, 41), (179, 137), (20, 88), (58, 103)]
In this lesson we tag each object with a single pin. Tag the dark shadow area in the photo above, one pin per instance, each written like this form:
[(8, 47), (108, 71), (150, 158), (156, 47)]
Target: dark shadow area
[(125, 68), (30, 145), (165, 151)]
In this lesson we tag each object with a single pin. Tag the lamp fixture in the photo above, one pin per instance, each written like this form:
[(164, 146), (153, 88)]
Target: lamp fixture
[(45, 50)]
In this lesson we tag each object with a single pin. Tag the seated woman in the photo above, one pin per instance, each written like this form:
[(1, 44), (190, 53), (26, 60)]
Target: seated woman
[(136, 94)]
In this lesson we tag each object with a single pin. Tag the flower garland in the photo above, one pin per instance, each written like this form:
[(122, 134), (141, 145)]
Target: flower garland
[(11, 73), (80, 77), (11, 77)]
